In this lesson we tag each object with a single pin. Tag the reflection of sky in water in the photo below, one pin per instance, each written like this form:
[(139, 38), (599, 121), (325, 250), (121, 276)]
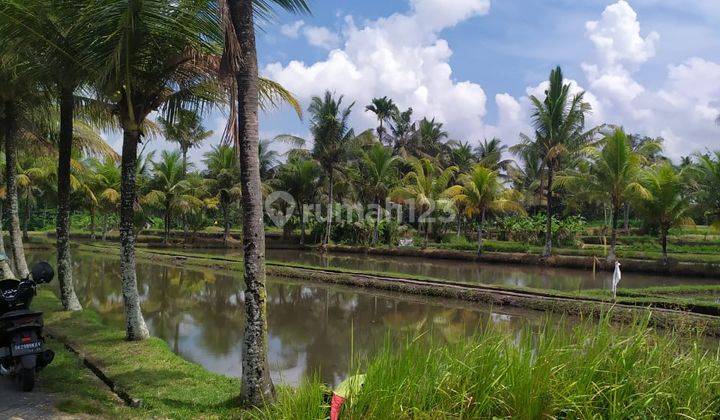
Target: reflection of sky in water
[(472, 272), (201, 317), (200, 314)]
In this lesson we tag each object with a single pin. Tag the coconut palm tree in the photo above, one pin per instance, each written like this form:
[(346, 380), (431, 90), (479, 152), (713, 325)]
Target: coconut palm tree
[(425, 187), (490, 154), (106, 185), (481, 191), (559, 122), (170, 189), (613, 178), (186, 129), (168, 74), (461, 155), (300, 178), (330, 127), (222, 170), (380, 173), (53, 36), (707, 183), (666, 205), (403, 129), (269, 159), (383, 108), (429, 137), (238, 18)]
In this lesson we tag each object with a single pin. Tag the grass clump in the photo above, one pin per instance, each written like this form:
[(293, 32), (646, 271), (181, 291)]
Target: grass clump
[(592, 371)]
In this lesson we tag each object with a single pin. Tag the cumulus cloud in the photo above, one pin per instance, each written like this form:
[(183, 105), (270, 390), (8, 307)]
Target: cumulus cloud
[(292, 30), (401, 56), (321, 36)]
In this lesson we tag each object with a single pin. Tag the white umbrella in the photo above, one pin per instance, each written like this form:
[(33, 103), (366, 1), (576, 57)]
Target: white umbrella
[(617, 275)]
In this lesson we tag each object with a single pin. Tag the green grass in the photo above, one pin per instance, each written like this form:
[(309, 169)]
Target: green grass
[(593, 371), (167, 385)]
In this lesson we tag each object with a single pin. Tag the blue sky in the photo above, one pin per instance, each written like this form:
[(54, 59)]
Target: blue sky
[(650, 65)]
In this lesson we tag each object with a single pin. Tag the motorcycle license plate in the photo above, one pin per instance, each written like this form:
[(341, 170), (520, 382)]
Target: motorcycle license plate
[(26, 348)]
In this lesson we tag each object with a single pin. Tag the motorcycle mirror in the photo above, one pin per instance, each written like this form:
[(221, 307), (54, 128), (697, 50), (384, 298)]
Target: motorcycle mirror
[(42, 272)]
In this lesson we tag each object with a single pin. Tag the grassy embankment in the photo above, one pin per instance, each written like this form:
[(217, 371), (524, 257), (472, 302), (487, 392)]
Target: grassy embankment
[(596, 370), (167, 385)]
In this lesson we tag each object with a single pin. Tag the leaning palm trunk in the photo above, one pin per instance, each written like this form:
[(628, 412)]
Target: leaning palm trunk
[(548, 229), (26, 221), (480, 233), (376, 228), (16, 244), (257, 387), (135, 327), (64, 262)]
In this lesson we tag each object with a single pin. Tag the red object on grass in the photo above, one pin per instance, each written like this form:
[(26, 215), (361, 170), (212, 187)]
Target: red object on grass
[(335, 406)]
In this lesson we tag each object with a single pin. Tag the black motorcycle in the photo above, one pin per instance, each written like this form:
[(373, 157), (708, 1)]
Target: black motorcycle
[(22, 352)]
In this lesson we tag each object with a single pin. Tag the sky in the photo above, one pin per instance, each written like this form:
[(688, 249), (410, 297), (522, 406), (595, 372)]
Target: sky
[(652, 66)]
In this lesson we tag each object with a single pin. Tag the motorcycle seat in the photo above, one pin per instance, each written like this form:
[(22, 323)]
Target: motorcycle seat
[(18, 314)]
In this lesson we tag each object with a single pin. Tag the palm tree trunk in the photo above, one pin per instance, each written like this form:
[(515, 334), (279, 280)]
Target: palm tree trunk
[(226, 223), (480, 233), (664, 233), (166, 233), (257, 387), (376, 228), (2, 233), (105, 227), (135, 328), (613, 231), (627, 218), (548, 229), (328, 225), (92, 223), (302, 223), (26, 220), (64, 262), (16, 245)]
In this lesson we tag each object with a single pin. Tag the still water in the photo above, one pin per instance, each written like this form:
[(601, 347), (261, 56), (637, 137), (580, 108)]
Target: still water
[(472, 272), (200, 314)]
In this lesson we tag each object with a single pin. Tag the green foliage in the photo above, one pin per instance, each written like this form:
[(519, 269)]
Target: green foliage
[(595, 370), (530, 229)]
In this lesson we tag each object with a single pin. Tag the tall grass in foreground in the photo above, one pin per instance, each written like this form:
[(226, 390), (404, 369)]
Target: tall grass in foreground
[(593, 370)]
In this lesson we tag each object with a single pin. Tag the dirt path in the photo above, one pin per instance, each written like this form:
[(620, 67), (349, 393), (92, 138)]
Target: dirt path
[(25, 405)]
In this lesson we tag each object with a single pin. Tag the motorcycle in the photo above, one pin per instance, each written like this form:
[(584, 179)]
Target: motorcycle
[(22, 345)]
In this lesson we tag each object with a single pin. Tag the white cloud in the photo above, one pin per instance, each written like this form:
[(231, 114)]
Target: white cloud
[(401, 56), (617, 36), (320, 36), (292, 30)]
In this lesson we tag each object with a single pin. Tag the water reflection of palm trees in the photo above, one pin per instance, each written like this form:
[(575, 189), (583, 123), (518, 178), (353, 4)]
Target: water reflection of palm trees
[(200, 315)]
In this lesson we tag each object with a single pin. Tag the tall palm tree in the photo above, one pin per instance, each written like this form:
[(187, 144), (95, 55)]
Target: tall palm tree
[(106, 184), (54, 39), (269, 159), (480, 191), (330, 127), (18, 97), (383, 108), (429, 137), (170, 188), (403, 129), (185, 129), (528, 173), (559, 122), (490, 154), (238, 18), (380, 173), (461, 155), (222, 169), (707, 183), (167, 74), (613, 178), (300, 178), (666, 205), (425, 187)]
